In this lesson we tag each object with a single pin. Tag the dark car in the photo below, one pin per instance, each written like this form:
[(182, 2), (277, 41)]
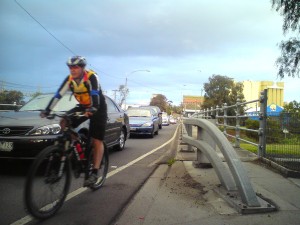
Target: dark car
[(23, 134), (143, 121), (158, 113)]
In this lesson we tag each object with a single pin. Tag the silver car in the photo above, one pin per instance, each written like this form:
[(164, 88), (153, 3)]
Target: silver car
[(143, 121)]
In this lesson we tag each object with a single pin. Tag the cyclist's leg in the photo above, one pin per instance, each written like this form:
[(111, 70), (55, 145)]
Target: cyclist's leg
[(97, 132), (98, 149)]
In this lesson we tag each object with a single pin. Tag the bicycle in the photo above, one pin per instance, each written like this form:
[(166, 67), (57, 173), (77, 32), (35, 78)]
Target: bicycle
[(49, 177)]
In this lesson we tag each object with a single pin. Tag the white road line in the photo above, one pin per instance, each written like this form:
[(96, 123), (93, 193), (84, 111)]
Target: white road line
[(28, 218)]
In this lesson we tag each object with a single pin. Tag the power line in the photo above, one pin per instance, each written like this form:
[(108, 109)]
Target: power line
[(45, 28), (59, 41), (70, 50)]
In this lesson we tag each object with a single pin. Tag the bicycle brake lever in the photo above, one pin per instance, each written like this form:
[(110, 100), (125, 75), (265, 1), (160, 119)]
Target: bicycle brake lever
[(79, 114), (51, 116)]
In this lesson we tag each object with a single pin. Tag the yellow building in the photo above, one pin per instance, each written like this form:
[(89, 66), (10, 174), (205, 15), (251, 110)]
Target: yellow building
[(192, 102), (252, 91)]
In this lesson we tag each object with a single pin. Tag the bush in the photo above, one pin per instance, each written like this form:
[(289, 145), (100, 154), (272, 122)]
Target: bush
[(254, 125), (274, 132)]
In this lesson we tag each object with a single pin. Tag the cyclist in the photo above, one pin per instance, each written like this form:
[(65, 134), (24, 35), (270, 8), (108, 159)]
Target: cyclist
[(84, 85)]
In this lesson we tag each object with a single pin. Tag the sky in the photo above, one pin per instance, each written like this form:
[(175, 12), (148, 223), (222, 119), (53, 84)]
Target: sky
[(168, 47)]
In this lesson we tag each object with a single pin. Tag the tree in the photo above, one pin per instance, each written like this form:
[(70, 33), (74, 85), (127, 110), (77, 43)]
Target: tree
[(220, 90), (292, 107), (290, 117), (123, 92), (160, 101), (288, 62), (36, 94), (10, 97)]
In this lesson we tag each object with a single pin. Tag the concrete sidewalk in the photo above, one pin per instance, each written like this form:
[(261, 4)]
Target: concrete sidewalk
[(181, 194)]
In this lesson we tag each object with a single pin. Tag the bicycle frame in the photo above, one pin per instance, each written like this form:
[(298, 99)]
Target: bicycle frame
[(57, 173), (67, 140)]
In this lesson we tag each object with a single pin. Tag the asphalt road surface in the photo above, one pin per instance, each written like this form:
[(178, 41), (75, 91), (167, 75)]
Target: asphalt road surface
[(128, 171)]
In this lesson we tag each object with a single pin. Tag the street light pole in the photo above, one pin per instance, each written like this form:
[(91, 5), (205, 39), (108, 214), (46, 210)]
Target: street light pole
[(126, 93)]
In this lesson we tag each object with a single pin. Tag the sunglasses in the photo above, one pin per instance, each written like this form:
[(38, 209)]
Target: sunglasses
[(74, 67)]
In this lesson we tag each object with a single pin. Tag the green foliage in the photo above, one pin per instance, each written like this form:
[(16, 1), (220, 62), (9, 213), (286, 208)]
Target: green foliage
[(170, 162), (10, 97), (220, 90), (292, 107), (36, 94), (290, 117), (274, 132), (160, 101), (252, 124), (290, 10), (288, 62)]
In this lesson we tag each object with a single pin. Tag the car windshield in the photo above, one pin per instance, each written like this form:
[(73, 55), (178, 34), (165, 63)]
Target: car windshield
[(40, 102), (139, 113)]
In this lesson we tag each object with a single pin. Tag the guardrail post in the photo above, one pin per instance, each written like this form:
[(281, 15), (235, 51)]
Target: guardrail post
[(237, 126), (225, 117), (202, 161), (262, 123), (189, 130), (217, 115), (212, 113)]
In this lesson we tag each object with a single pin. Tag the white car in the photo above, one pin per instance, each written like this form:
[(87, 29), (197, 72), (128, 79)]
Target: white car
[(165, 119), (172, 120)]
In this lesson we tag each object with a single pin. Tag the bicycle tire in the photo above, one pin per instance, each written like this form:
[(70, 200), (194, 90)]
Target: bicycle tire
[(102, 173), (42, 181)]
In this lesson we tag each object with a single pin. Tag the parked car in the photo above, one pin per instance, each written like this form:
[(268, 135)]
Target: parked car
[(143, 121), (158, 112), (165, 119), (23, 134)]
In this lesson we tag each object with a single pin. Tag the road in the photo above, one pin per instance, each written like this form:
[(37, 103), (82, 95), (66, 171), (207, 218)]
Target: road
[(128, 171)]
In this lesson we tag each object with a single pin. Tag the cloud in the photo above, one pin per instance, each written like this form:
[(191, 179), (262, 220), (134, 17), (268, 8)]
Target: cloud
[(174, 39)]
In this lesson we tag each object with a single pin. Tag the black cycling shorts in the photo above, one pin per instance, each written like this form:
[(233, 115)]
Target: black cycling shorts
[(97, 125)]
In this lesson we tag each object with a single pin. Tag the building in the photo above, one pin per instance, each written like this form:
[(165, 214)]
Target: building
[(192, 103), (252, 91)]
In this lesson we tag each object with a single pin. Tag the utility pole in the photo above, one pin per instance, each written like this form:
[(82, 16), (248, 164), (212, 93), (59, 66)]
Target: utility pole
[(126, 88), (115, 94)]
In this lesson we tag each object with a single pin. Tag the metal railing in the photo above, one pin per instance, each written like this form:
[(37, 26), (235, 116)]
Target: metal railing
[(238, 107), (277, 134)]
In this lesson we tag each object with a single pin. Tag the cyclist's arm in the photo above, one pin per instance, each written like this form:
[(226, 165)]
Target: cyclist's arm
[(95, 92), (64, 87)]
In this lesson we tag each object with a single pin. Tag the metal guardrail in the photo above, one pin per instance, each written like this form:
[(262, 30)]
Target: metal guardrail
[(233, 178), (216, 113)]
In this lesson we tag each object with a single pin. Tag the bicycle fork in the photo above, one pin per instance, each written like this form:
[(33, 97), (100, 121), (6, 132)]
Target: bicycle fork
[(62, 161)]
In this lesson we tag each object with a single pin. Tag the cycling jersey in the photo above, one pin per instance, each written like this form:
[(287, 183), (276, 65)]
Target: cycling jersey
[(87, 91)]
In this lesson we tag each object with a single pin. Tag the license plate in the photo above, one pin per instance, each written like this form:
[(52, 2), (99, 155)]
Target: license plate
[(6, 146), (132, 129)]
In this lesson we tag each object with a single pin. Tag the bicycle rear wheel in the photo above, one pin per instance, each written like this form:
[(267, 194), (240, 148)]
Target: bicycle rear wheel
[(47, 183), (102, 173)]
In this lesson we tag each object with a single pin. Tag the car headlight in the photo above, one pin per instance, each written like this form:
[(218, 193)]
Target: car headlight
[(46, 130), (147, 124)]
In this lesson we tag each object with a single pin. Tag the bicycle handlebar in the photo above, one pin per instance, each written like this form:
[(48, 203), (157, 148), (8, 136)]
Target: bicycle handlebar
[(77, 114)]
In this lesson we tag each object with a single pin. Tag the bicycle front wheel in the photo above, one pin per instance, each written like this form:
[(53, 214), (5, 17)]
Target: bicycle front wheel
[(47, 183)]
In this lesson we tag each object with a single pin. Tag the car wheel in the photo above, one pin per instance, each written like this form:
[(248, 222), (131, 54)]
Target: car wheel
[(122, 140), (159, 126), (156, 132), (152, 133)]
